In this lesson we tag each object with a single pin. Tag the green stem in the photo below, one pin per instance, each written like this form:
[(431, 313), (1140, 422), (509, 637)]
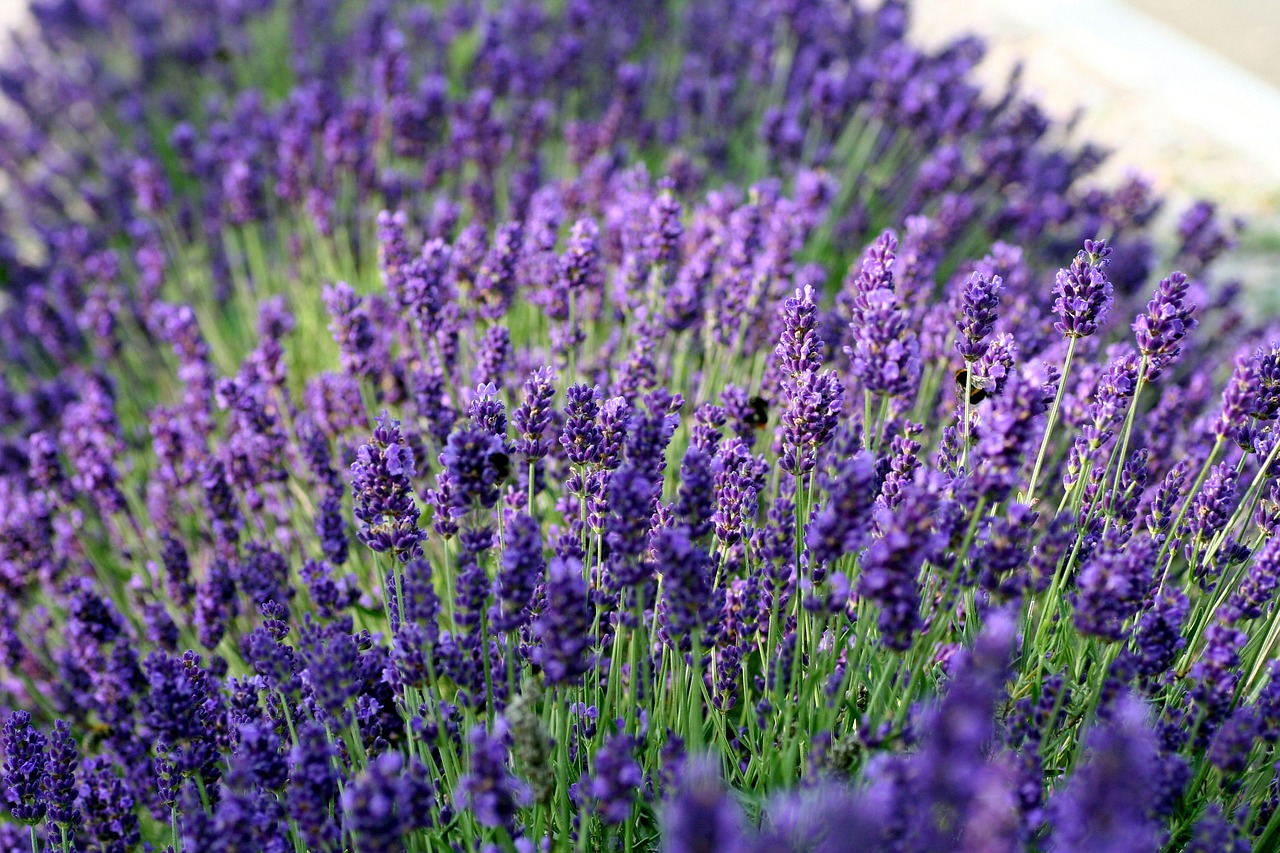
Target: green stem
[(1053, 417), (1182, 513), (1128, 429), (968, 406)]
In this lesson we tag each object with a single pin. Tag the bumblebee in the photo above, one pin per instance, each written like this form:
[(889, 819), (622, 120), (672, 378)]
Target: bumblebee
[(501, 463), (976, 392), (758, 417)]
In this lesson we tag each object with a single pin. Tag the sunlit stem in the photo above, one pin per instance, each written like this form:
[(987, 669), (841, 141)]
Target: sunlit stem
[(1053, 417)]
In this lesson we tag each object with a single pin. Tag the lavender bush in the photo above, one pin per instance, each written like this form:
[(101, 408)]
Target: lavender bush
[(414, 437)]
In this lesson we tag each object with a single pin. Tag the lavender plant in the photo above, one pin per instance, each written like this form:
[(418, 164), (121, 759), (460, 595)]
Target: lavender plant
[(576, 426)]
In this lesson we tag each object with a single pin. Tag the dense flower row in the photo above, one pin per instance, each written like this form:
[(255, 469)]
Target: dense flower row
[(389, 460)]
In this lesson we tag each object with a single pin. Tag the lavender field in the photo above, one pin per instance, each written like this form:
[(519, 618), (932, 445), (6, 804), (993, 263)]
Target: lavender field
[(619, 425)]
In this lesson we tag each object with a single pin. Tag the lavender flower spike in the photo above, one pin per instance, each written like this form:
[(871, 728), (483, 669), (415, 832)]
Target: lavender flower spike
[(800, 348), (23, 769), (1084, 292), (1168, 319), (382, 490), (1106, 806), (978, 302)]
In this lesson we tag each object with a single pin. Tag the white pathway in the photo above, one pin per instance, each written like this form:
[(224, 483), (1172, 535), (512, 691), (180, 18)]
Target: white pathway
[(11, 13), (1183, 115)]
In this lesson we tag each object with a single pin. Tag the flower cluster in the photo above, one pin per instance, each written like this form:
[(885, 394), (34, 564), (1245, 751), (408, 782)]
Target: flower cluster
[(550, 425)]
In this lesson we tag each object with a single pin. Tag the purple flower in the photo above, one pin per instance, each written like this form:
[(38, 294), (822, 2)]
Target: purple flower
[(696, 499), (1268, 704), (992, 369), (1004, 439), (44, 466), (216, 603), (1105, 805), (615, 420), (59, 781), (1160, 514), (330, 596), (532, 417), (488, 412), (650, 429), (493, 361), (580, 263), (951, 783), (1241, 397), (150, 186), (107, 803), (510, 134), (979, 299), (810, 419), (313, 789), (393, 254), (1111, 587), (475, 461), (1083, 292), (522, 569), (581, 437), (840, 525), (1003, 551), (874, 271), (562, 628), (352, 329), (23, 769), (1157, 636), (1251, 598), (1203, 236), (263, 575), (800, 349), (662, 240), (495, 279), (885, 352), (1210, 509), (1169, 319), (612, 788), (91, 438), (1229, 750), (382, 491), (701, 816), (632, 498), (1212, 834), (739, 479), (258, 758), (331, 529), (686, 589), (1268, 378), (890, 565), (1215, 675), (488, 788), (385, 802), (181, 711)]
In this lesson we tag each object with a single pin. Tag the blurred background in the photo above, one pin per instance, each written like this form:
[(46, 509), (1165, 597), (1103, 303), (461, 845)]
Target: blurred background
[(1185, 91)]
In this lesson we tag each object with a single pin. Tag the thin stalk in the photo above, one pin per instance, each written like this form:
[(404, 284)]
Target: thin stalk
[(1182, 513), (866, 419), (1128, 428), (1053, 417)]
